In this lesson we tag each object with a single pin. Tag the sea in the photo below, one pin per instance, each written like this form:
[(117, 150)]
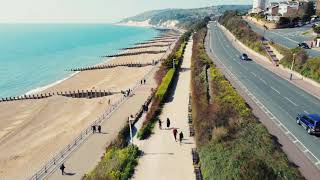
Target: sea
[(36, 56)]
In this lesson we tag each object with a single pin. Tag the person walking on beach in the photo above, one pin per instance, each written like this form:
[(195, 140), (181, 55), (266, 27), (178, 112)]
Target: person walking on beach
[(141, 82), (175, 132), (99, 128), (144, 81), (168, 123), (180, 137), (93, 129), (160, 124), (62, 167)]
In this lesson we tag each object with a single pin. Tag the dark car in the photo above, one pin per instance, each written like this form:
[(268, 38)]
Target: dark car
[(303, 45), (244, 57), (311, 122)]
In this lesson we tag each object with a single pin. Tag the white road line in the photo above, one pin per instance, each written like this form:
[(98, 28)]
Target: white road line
[(291, 101), (262, 80), (306, 112), (275, 90), (254, 74)]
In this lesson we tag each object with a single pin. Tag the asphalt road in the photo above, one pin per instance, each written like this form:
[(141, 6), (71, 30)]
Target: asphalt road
[(289, 37), (278, 97)]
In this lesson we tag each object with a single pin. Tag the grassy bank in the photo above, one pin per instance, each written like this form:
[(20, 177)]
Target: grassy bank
[(232, 143), (242, 31)]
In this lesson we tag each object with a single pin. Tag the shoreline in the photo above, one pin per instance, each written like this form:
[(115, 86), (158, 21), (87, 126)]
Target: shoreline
[(50, 85)]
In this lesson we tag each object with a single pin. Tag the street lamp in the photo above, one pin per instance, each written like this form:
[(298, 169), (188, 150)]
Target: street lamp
[(129, 120), (294, 57), (173, 65), (265, 28)]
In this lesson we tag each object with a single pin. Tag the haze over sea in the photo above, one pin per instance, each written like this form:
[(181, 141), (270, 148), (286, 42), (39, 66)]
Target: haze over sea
[(35, 55)]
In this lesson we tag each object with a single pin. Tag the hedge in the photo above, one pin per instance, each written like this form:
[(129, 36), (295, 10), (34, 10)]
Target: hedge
[(166, 81)]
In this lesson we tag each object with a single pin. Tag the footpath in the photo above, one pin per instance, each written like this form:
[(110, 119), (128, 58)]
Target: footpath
[(164, 158), (307, 85)]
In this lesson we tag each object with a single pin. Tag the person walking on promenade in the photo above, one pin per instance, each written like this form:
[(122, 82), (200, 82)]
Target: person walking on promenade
[(99, 128), (93, 129), (62, 167), (160, 124), (180, 137), (175, 132), (168, 123)]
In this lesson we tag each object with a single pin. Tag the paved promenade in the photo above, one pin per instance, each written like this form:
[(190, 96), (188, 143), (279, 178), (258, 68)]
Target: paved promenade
[(164, 158)]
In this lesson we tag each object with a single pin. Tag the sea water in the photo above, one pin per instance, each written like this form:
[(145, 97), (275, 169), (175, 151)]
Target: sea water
[(35, 55)]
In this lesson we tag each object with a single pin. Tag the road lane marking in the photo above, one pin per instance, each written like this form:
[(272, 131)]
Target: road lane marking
[(291, 101), (275, 90), (262, 80), (254, 74), (306, 112)]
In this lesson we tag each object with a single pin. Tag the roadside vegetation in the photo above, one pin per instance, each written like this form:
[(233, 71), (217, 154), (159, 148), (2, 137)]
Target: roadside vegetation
[(165, 76), (232, 143), (242, 31), (307, 67)]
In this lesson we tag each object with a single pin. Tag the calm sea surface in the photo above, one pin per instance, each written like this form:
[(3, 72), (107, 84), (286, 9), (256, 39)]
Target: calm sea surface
[(35, 55)]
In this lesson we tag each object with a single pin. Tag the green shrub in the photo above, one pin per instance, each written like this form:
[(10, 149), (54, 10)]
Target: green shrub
[(116, 164), (166, 81)]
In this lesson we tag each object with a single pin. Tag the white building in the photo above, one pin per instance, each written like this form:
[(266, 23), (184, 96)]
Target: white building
[(285, 7), (259, 5)]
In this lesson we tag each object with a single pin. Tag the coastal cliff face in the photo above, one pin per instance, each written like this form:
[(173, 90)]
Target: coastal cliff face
[(171, 24), (178, 18)]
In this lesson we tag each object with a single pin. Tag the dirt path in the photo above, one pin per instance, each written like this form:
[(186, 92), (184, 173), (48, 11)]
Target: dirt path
[(164, 158)]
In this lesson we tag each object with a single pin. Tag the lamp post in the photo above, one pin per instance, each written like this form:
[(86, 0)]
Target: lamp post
[(294, 57), (129, 120), (173, 65)]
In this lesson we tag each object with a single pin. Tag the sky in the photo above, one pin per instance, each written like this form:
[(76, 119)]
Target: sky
[(55, 11)]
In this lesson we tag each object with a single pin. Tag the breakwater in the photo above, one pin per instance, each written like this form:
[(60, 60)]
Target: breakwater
[(72, 94)]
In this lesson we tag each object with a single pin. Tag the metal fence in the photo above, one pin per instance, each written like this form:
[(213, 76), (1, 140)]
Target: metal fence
[(59, 158)]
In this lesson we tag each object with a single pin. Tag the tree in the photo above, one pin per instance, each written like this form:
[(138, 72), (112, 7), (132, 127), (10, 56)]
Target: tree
[(284, 21), (310, 10), (316, 29)]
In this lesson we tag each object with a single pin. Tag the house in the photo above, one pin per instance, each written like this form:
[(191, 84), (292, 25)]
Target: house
[(290, 9)]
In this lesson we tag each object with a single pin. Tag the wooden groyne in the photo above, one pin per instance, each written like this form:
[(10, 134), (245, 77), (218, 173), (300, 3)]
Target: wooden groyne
[(73, 94), (152, 41), (108, 66), (135, 53), (146, 46)]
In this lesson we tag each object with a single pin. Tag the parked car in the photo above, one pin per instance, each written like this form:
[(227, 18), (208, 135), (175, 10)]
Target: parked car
[(244, 57), (311, 122), (303, 45)]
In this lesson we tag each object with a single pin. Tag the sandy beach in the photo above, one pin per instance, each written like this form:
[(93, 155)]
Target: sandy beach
[(33, 131)]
